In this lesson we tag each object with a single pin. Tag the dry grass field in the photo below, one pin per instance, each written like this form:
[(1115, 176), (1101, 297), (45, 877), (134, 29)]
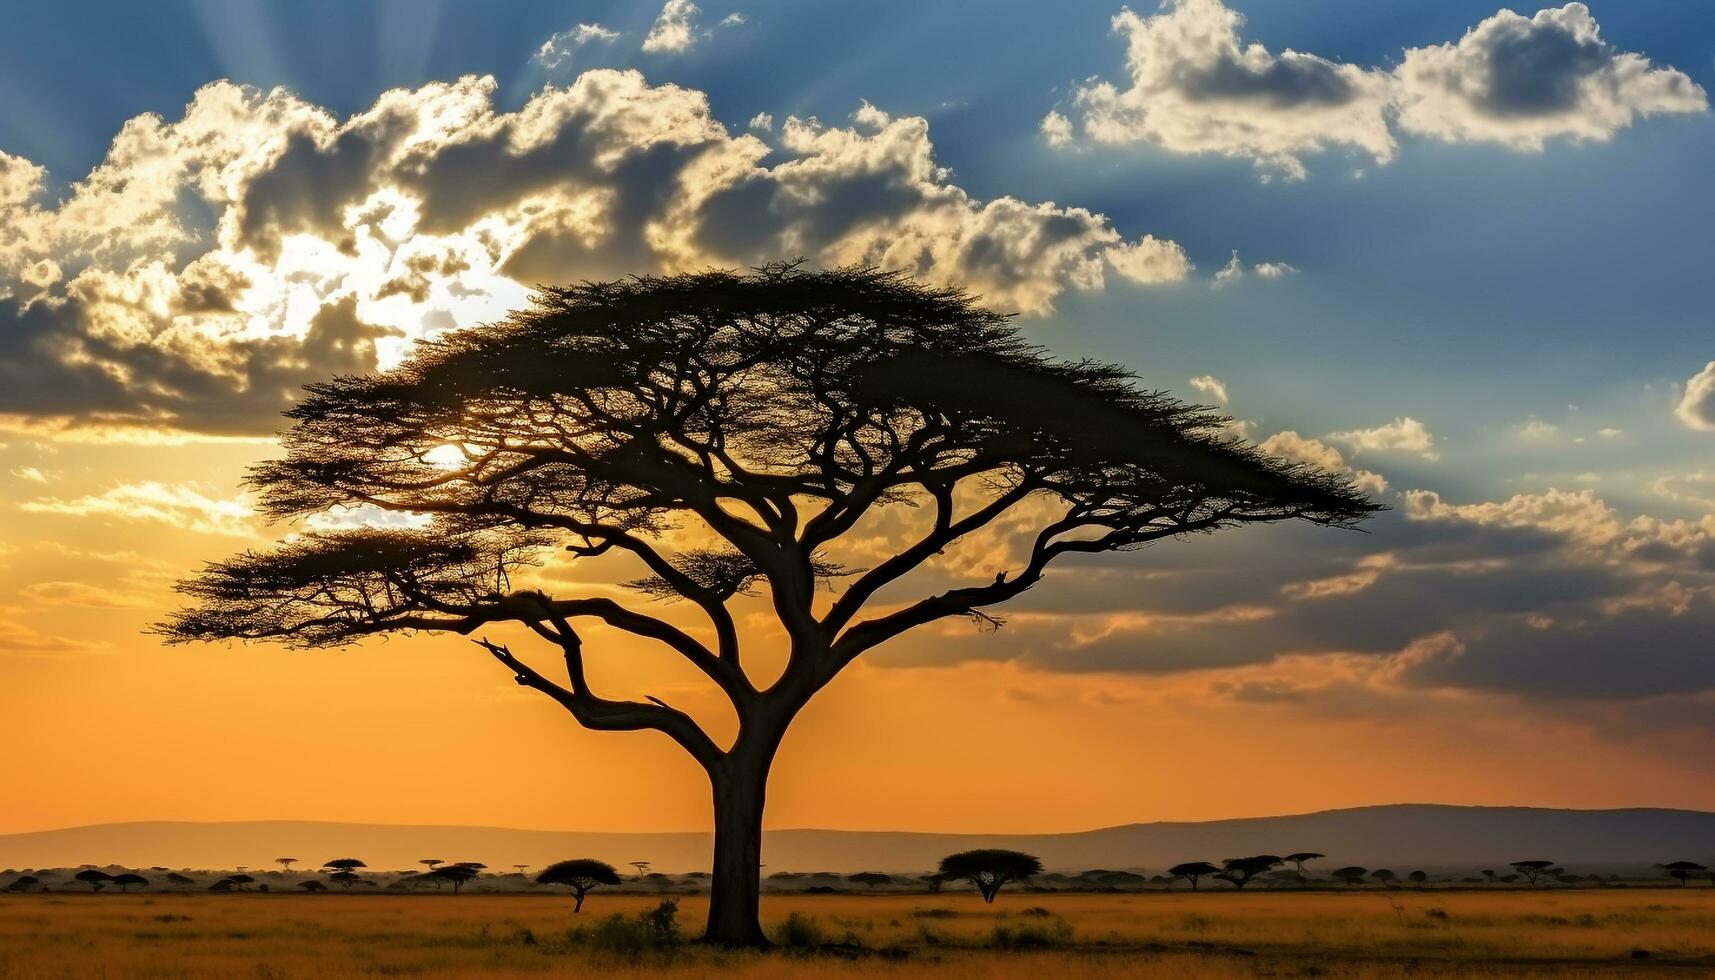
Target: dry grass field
[(1215, 935)]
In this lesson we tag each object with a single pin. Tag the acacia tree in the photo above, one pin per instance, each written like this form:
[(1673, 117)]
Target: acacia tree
[(1193, 871), (726, 432), (990, 868), (580, 875), (1239, 871), (1531, 869)]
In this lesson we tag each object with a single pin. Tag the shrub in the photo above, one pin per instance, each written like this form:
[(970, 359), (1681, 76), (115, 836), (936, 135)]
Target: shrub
[(1030, 935), (934, 913), (799, 931)]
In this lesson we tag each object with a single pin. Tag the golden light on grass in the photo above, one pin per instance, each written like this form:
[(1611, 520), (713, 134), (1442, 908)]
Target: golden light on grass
[(1215, 935)]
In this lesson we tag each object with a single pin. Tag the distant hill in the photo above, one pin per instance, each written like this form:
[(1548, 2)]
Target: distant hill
[(1405, 835)]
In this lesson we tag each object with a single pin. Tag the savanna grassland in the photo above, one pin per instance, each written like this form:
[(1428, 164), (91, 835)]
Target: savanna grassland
[(1217, 935)]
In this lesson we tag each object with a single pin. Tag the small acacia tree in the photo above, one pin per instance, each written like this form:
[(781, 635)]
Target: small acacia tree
[(129, 879), (286, 863), (870, 879), (989, 869), (1239, 871), (1683, 870), (1193, 871), (726, 432), (95, 879), (580, 875), (1531, 869), (1352, 875), (1297, 859)]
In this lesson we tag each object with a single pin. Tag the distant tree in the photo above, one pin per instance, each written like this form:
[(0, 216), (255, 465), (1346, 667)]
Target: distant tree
[(178, 880), (642, 868), (1297, 860), (95, 879), (1121, 879), (456, 874), (780, 410), (1193, 871), (23, 883), (345, 878), (223, 885), (128, 879), (1684, 870), (1419, 877), (1239, 871), (432, 863), (1385, 876), (345, 864), (312, 886), (471, 865), (870, 879), (286, 863), (1489, 875), (580, 875), (521, 868), (936, 880), (1352, 875), (991, 868), (1531, 869), (241, 880)]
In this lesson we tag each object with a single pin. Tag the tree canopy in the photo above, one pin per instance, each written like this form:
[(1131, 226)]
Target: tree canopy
[(580, 875), (990, 868)]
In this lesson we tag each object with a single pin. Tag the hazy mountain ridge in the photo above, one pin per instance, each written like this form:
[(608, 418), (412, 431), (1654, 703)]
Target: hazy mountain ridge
[(1414, 835)]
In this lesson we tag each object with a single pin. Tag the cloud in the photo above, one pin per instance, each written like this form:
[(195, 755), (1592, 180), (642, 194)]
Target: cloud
[(1211, 387), (183, 505), (1403, 434), (674, 30), (558, 49), (1195, 87), (1697, 407), (1303, 449), (1235, 270), (79, 594), (1520, 81), (762, 122), (18, 638), (1537, 430), (211, 266)]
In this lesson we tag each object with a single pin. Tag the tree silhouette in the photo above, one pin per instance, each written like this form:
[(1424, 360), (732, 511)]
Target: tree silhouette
[(457, 874), (1683, 870), (1418, 877), (128, 879), (1489, 875), (1239, 871), (432, 863), (345, 878), (312, 886), (643, 868), (771, 412), (241, 880), (349, 865), (96, 880), (179, 880), (870, 879), (1297, 860), (580, 875), (990, 868), (1353, 875), (1193, 871), (23, 883), (286, 863), (1531, 869), (1385, 876)]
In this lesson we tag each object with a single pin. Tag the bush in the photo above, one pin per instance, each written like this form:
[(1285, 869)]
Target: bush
[(654, 930), (799, 931), (1030, 936), (934, 913)]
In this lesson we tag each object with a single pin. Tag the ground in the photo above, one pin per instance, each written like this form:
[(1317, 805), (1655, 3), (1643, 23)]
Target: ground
[(1380, 934)]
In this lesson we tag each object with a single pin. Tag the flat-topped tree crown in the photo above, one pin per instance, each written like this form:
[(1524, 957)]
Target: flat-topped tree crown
[(770, 412)]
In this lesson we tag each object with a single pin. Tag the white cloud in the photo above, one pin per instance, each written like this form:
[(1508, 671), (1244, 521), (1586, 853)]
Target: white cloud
[(762, 122), (1403, 434), (735, 19), (30, 473), (1056, 129), (1520, 81), (1697, 407), (1236, 270), (1194, 87), (1289, 445), (1211, 387), (183, 505), (674, 30), (558, 49), (1537, 430), (214, 264)]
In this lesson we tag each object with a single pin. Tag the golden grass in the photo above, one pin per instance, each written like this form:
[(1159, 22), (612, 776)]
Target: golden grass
[(1214, 935)]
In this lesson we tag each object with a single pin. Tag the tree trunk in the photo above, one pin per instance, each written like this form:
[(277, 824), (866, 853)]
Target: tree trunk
[(740, 784), (578, 905)]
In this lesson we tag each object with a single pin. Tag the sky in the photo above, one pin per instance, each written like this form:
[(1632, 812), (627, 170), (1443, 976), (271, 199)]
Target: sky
[(1457, 252)]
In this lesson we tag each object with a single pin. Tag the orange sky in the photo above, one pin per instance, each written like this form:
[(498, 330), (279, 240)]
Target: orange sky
[(109, 725)]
